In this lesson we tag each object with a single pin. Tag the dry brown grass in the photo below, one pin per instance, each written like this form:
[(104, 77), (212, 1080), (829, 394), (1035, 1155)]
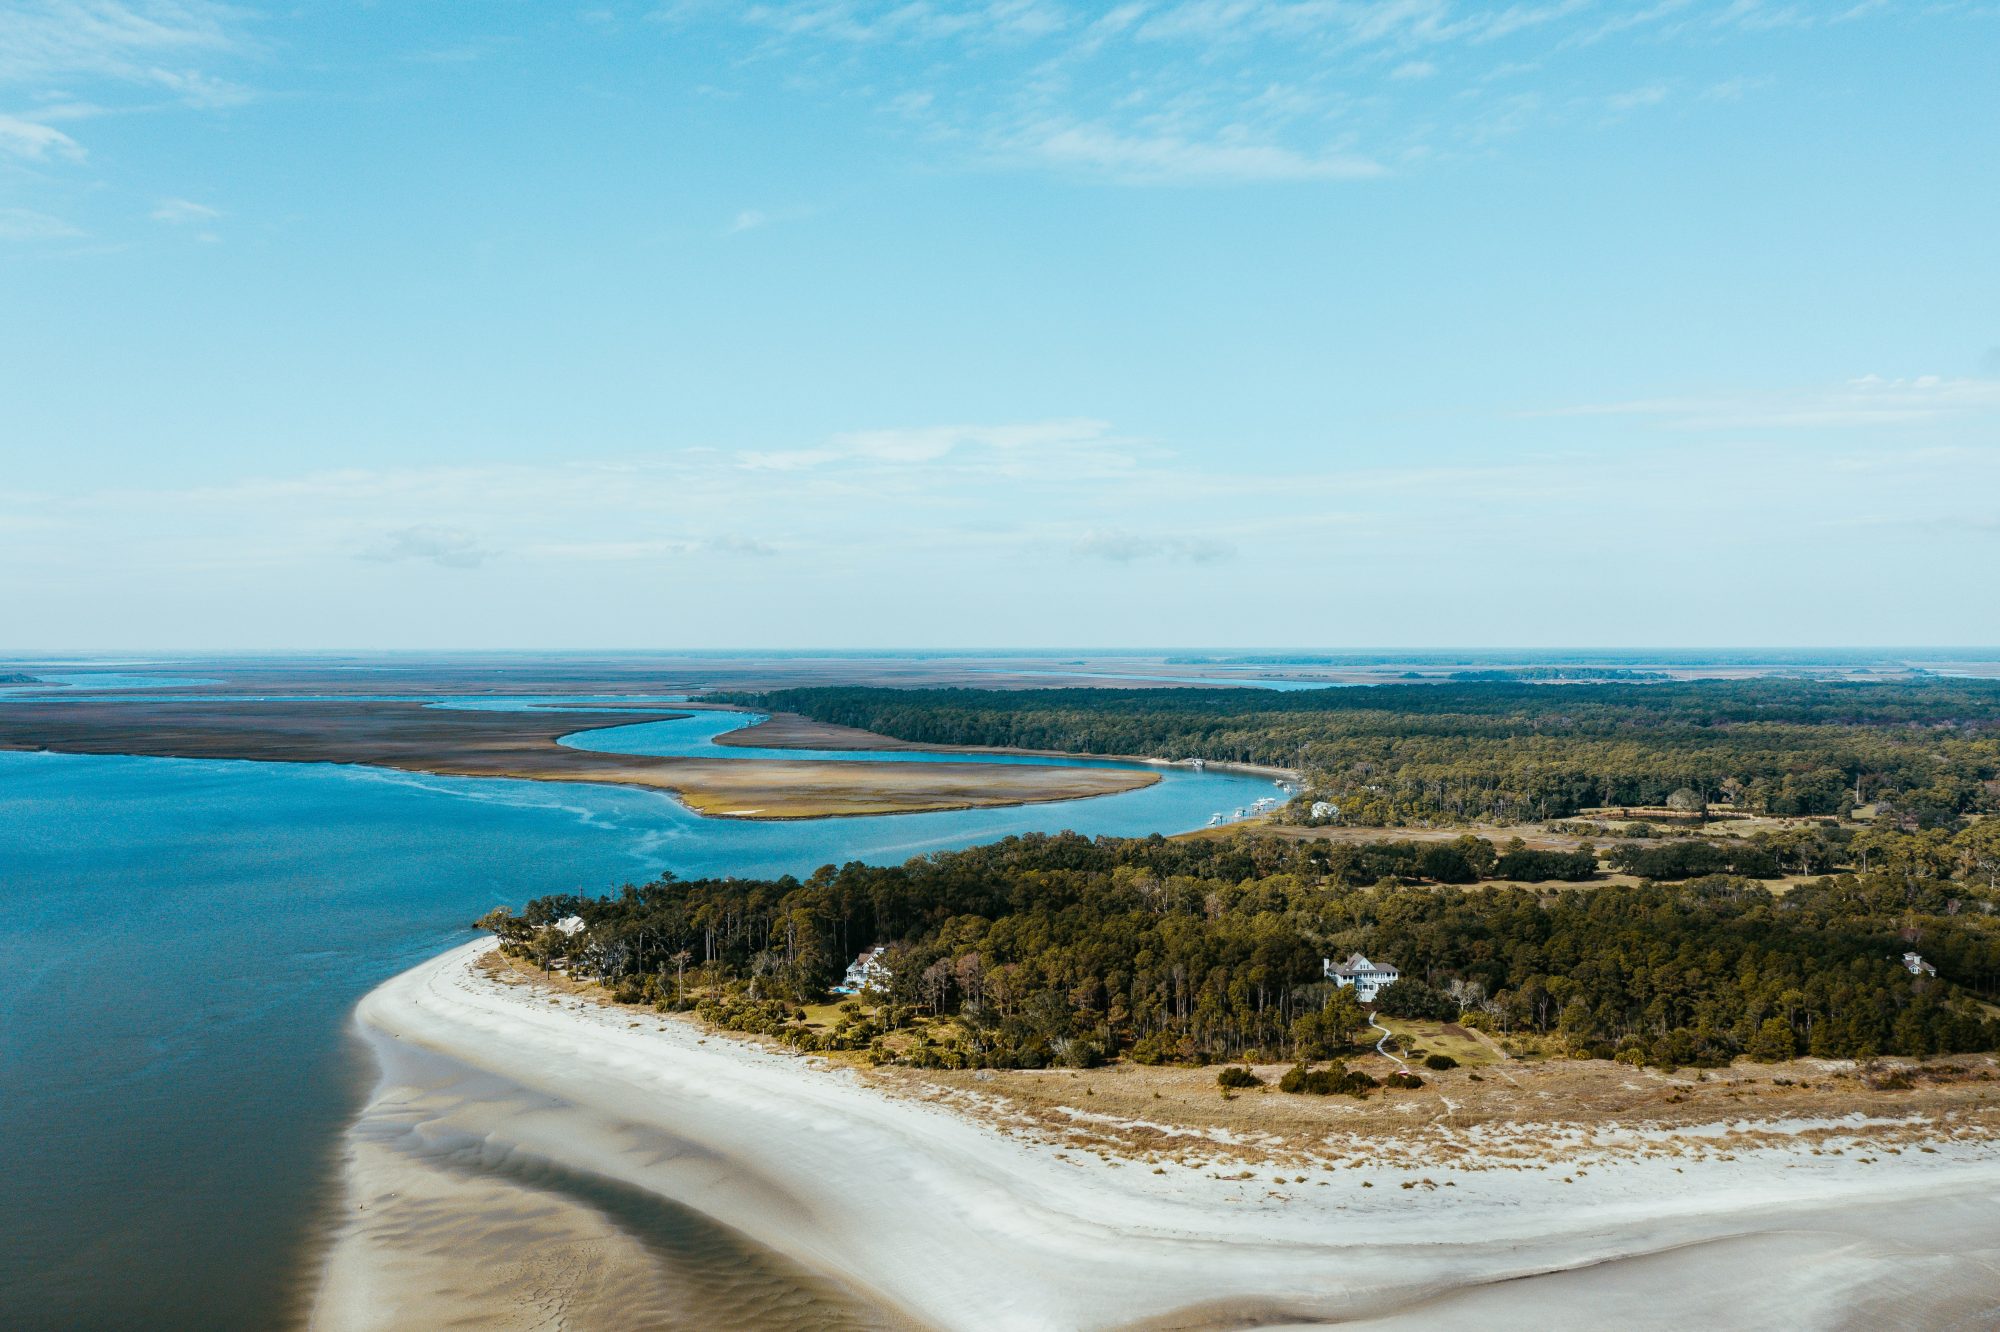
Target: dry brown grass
[(1505, 1114), (1500, 1116)]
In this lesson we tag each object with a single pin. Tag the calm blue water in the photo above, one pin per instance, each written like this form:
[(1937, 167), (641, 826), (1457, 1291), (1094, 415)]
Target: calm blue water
[(184, 941), (694, 736)]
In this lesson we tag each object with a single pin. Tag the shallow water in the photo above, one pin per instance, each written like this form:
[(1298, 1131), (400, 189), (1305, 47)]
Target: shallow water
[(185, 940)]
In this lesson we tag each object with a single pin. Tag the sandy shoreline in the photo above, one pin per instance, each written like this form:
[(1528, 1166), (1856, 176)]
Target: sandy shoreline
[(928, 1218)]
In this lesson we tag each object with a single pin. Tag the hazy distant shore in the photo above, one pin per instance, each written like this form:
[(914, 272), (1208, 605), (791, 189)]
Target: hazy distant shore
[(926, 1216)]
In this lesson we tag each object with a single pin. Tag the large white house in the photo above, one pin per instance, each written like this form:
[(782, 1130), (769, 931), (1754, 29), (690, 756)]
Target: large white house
[(1366, 977), (867, 972)]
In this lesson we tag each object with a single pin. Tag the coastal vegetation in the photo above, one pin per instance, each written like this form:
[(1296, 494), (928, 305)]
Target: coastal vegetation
[(1925, 751), (1063, 951)]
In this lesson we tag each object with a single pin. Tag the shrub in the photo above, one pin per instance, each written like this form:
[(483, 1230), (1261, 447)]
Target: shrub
[(1334, 1079), (1440, 1062), (1237, 1076), (1407, 1081)]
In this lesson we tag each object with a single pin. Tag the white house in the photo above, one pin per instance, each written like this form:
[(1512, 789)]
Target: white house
[(1325, 809), (1914, 964), (867, 972), (1366, 977)]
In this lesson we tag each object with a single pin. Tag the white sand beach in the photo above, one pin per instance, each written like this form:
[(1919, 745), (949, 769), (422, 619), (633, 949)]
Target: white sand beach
[(496, 1098)]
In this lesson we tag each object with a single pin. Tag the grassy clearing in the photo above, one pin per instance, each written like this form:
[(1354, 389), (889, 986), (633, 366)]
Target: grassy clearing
[(1445, 1038)]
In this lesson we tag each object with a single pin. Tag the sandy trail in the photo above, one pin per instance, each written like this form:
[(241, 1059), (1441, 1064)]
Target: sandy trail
[(913, 1214)]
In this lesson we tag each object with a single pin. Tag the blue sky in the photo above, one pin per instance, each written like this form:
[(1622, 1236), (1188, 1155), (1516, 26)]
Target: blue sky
[(1194, 322)]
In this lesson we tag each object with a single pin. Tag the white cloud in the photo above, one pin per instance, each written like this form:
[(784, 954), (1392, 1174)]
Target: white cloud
[(136, 41), (1635, 98), (1127, 547), (1871, 400), (444, 547), (181, 212), (647, 549), (1029, 519), (25, 224), (76, 60), (1229, 91), (929, 444), (748, 220), (1168, 158), (36, 142)]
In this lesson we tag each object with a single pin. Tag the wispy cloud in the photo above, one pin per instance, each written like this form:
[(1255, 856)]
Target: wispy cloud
[(74, 61), (996, 520), (1243, 91), (444, 547), (35, 141), (1126, 547), (25, 224), (161, 43), (648, 549), (184, 212), (929, 444), (1871, 400), (1168, 158)]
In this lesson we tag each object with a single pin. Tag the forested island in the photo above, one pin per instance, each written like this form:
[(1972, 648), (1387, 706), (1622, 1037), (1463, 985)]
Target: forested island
[(1926, 751)]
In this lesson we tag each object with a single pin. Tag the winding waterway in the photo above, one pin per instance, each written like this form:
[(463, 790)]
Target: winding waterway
[(185, 939)]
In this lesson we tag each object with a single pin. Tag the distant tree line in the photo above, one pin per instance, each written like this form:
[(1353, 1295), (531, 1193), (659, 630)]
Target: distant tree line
[(1927, 751)]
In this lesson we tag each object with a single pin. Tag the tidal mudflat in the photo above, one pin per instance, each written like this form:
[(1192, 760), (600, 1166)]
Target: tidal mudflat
[(463, 742)]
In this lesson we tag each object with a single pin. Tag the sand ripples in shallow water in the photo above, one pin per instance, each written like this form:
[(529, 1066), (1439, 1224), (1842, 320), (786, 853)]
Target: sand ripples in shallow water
[(446, 1225)]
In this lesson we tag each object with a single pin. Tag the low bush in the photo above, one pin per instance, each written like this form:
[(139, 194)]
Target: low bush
[(1334, 1079)]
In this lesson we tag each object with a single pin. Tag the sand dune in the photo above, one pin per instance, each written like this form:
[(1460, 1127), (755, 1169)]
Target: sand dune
[(909, 1213)]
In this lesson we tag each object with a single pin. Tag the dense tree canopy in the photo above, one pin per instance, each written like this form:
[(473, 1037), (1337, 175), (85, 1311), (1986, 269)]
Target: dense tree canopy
[(1434, 753), (1066, 950)]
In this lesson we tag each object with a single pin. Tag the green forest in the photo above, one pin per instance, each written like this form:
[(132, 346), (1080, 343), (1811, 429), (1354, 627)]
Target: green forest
[(1061, 950), (1925, 752)]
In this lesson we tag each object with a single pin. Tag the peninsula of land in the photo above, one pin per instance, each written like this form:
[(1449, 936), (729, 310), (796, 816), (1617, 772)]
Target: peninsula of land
[(525, 744), (971, 1207)]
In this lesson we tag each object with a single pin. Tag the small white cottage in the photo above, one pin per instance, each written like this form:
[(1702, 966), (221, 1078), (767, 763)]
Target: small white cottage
[(1914, 964), (1366, 977)]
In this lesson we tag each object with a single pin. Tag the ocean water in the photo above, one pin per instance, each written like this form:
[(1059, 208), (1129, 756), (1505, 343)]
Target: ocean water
[(184, 941)]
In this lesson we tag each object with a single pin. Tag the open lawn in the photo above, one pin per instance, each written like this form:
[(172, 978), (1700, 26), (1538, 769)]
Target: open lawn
[(1468, 1047)]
